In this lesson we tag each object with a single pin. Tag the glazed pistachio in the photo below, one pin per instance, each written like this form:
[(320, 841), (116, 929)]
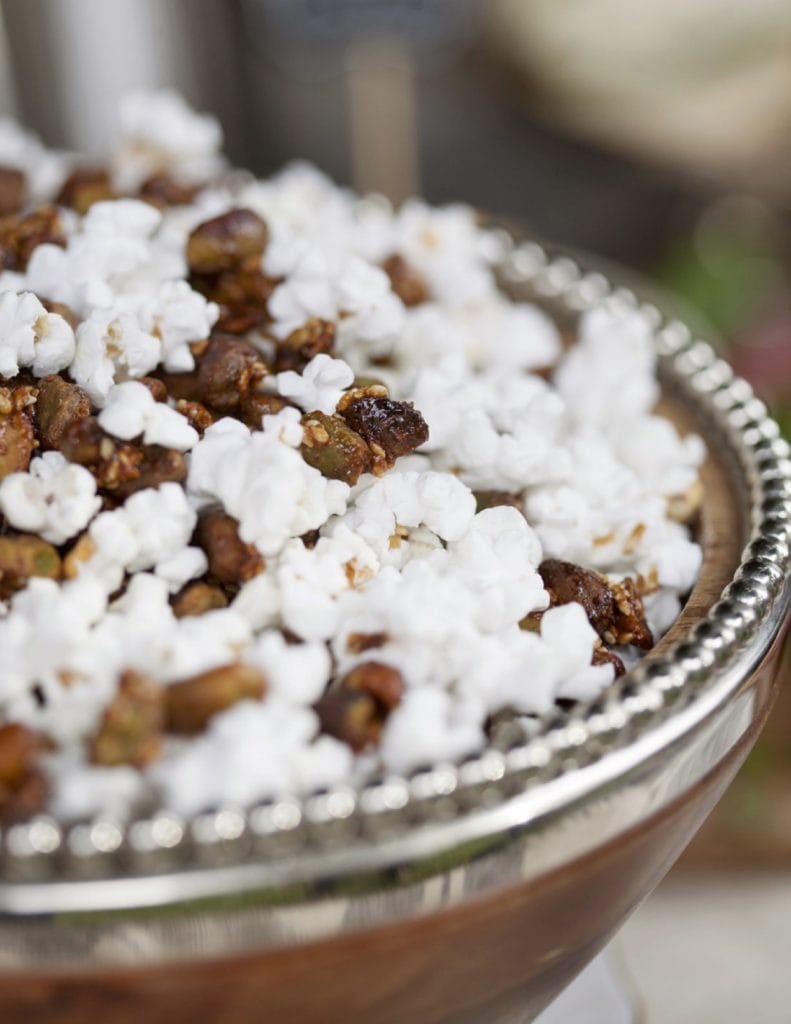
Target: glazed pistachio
[(303, 344), (332, 447), (228, 370), (131, 727), (198, 598), (23, 788), (84, 187), (405, 281), (192, 703), (224, 242), (231, 561), (59, 403), (22, 556)]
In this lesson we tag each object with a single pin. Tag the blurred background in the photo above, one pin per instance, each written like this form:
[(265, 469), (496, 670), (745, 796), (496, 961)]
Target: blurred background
[(656, 134)]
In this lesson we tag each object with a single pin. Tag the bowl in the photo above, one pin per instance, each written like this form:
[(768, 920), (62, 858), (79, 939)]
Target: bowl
[(466, 893)]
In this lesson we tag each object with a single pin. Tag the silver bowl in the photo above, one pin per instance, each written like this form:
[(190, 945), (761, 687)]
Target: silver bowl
[(470, 892)]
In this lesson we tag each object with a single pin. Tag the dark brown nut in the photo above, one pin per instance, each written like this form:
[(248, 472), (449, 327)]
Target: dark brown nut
[(383, 682), (231, 561), (242, 295), (59, 403), (303, 344), (496, 499), (601, 656), (357, 643), (82, 440), (84, 187), (68, 314), (352, 716), (614, 610), (334, 449), (19, 747), (224, 242), (155, 466), (390, 428), (19, 235), (257, 404), (157, 387), (161, 190), (114, 464), (531, 623), (229, 369), (192, 703), (23, 789), (17, 441), (181, 386), (405, 281), (629, 625), (24, 555), (197, 599), (131, 728), (13, 187), (196, 412)]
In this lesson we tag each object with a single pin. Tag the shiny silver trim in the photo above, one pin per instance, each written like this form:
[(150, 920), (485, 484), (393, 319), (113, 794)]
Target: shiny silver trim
[(294, 848)]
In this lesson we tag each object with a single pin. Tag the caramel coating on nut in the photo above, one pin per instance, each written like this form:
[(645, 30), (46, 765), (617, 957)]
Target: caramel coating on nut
[(313, 338), (228, 370), (23, 788), (231, 560), (192, 703), (331, 446), (59, 403), (391, 429), (131, 728), (406, 282), (225, 242), (20, 234), (198, 598), (84, 187)]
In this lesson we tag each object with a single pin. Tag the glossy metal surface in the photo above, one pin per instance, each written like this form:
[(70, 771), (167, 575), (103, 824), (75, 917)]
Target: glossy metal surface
[(233, 882)]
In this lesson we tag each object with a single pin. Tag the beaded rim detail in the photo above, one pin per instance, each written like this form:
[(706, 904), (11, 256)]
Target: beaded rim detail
[(645, 697)]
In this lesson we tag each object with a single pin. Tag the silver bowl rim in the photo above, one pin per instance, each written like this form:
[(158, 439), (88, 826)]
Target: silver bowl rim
[(750, 611)]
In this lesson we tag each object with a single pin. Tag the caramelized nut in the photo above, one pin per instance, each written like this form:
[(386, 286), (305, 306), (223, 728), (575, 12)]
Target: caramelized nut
[(197, 599), (192, 703), (392, 428), (161, 190), (24, 555), (59, 404), (495, 499), (355, 708), (17, 441), (303, 344), (352, 716), (13, 186), (196, 412), (84, 187), (334, 449), (405, 281), (257, 404), (614, 610), (383, 682), (224, 242), (229, 369), (23, 788), (131, 728), (230, 559), (21, 234)]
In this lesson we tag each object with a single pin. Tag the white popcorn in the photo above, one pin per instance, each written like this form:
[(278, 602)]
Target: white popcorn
[(178, 315), (30, 336), (320, 385), (44, 169), (161, 134), (55, 499), (111, 348), (130, 411), (262, 481), (400, 568)]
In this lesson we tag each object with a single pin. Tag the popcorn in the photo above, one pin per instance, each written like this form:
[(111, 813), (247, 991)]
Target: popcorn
[(262, 481), (30, 336), (130, 411), (161, 134), (320, 385), (55, 499), (559, 447), (111, 348)]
